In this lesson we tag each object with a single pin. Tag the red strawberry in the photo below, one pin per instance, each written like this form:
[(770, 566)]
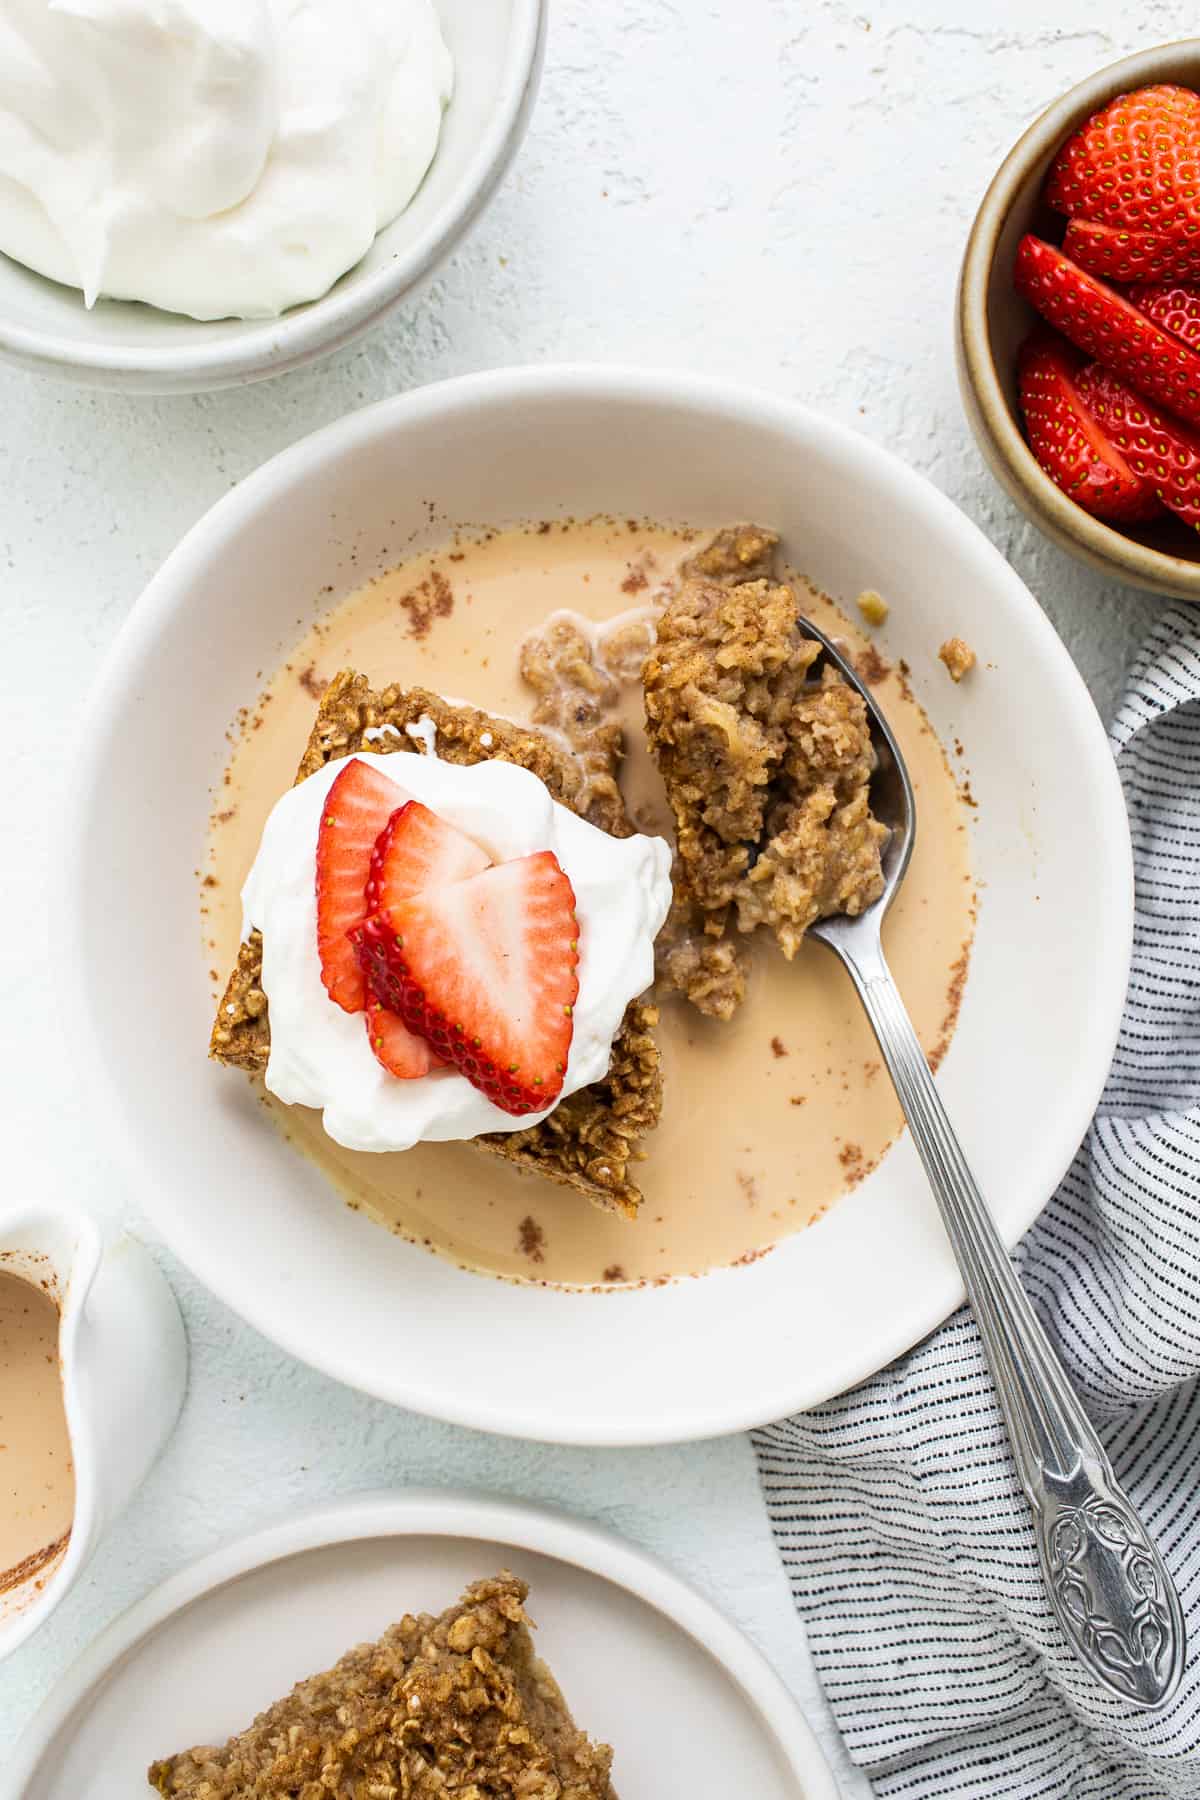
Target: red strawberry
[(1133, 255), (1065, 438), (417, 849), (1109, 328), (400, 1050), (486, 970), (1162, 450), (357, 807), (1135, 165), (1174, 306)]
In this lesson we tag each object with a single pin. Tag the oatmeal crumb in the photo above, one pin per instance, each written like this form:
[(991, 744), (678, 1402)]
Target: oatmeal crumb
[(958, 657), (778, 1047), (873, 607)]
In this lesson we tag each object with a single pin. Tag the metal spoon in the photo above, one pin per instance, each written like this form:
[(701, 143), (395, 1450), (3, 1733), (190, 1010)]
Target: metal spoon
[(1106, 1581)]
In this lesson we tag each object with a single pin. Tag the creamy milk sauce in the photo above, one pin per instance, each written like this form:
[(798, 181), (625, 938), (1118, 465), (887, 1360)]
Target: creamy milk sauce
[(767, 1120), (37, 1482)]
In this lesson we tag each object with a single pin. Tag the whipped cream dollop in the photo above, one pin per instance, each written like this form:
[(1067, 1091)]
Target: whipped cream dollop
[(320, 1056), (223, 158)]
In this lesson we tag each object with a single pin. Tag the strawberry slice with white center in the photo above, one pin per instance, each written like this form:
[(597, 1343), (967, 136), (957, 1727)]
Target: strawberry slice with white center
[(486, 970), (358, 805), (419, 849), (416, 849)]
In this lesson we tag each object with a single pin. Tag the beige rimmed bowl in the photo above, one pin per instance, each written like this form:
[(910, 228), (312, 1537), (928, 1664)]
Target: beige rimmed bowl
[(992, 319)]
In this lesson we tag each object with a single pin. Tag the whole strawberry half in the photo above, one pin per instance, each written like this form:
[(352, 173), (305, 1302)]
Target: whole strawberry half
[(486, 970), (1135, 165), (358, 805), (1175, 305), (1109, 327), (1066, 439), (1133, 255), (1162, 451)]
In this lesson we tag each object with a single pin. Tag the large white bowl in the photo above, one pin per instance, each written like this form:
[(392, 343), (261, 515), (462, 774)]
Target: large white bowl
[(497, 51), (259, 1224)]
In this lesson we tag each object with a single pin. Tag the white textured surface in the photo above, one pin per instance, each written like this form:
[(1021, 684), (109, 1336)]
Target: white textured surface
[(773, 190)]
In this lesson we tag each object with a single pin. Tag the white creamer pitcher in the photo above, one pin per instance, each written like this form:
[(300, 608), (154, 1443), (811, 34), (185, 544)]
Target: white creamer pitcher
[(123, 1364)]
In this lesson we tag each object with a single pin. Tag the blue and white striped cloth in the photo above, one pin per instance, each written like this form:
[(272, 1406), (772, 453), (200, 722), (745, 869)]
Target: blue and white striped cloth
[(904, 1534)]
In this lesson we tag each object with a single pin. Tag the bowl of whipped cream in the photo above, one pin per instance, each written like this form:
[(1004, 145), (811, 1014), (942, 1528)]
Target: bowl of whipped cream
[(197, 193)]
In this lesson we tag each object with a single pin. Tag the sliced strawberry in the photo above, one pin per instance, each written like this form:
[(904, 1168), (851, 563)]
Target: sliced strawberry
[(418, 849), (1065, 438), (486, 970), (358, 805), (1109, 328), (1162, 451), (1135, 165), (1133, 255), (1174, 305), (399, 1050)]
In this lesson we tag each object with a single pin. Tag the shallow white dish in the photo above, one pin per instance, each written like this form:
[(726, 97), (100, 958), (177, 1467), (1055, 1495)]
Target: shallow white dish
[(259, 1224), (497, 51), (637, 1652)]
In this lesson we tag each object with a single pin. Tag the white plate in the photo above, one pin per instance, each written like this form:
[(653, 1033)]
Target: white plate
[(646, 1664), (259, 1224)]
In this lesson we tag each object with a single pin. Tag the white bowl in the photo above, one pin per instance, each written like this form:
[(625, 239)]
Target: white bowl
[(258, 1223), (497, 51)]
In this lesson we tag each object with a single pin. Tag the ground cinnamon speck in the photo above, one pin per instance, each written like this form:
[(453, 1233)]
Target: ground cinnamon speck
[(798, 1100), (871, 666), (954, 999), (635, 581), (533, 1239), (431, 599), (614, 1272), (778, 1047), (312, 683)]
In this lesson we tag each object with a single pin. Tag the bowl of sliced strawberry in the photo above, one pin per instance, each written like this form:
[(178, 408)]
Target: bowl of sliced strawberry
[(1079, 321)]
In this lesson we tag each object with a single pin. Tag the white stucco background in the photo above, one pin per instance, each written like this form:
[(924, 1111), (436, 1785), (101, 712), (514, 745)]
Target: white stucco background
[(773, 190)]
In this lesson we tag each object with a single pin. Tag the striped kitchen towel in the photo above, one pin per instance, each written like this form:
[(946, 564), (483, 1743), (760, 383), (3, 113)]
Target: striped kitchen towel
[(904, 1534)]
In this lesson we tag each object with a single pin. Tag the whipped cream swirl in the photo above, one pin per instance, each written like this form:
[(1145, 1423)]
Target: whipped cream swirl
[(223, 158), (320, 1056)]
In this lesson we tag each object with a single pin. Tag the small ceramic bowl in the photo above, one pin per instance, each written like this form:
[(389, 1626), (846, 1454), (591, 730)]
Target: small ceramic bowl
[(497, 52), (123, 1362), (992, 319)]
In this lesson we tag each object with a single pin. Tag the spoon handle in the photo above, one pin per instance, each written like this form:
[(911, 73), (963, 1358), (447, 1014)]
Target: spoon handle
[(1110, 1591)]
